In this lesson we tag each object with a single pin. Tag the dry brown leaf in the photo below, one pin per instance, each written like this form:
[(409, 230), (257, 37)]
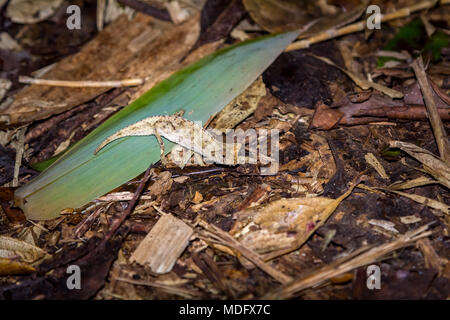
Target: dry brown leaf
[(278, 225), (431, 164), (11, 267), (12, 247), (418, 182), (373, 161), (286, 15)]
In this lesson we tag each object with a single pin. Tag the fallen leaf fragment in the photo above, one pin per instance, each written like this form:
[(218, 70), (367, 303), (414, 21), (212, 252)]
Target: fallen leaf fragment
[(163, 245), (431, 164), (10, 267), (197, 198), (410, 219), (24, 250), (373, 161), (388, 225), (418, 182), (284, 225), (435, 204), (240, 107)]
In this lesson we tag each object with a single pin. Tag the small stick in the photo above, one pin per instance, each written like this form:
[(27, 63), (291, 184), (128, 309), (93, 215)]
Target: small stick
[(226, 239), (436, 123), (359, 258), (130, 207), (20, 147), (361, 25), (82, 84)]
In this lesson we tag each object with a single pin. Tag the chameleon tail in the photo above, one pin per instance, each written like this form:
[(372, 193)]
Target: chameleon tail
[(136, 129)]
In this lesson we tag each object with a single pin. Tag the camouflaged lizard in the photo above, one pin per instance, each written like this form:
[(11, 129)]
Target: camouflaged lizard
[(183, 132)]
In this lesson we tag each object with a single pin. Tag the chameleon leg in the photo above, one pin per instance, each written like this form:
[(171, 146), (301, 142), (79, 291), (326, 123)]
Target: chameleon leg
[(161, 146)]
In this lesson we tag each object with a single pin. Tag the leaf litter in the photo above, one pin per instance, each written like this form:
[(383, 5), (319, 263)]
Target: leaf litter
[(214, 231)]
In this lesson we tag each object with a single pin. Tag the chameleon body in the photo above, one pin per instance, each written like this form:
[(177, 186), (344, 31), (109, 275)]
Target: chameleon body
[(183, 132)]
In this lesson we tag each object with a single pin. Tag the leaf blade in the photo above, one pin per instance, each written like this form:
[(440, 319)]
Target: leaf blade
[(201, 90)]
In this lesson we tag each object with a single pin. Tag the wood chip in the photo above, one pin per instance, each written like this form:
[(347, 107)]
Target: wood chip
[(373, 161), (163, 245)]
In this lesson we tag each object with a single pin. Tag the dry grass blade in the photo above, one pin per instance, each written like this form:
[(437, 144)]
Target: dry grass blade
[(435, 204), (363, 83), (436, 123), (361, 257), (182, 292), (431, 164), (219, 236), (82, 84)]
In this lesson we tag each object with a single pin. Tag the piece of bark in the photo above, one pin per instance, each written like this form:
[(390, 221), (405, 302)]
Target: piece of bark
[(325, 117), (163, 245), (125, 49)]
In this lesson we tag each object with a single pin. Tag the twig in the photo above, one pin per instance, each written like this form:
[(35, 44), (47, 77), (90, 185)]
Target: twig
[(226, 239), (186, 293), (361, 257), (82, 84), (361, 25), (19, 146), (130, 207), (436, 123)]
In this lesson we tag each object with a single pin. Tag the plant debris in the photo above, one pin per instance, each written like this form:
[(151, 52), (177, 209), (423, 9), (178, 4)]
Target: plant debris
[(202, 155)]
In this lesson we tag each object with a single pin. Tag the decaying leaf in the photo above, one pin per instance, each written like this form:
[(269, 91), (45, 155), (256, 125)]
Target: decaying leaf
[(10, 247), (127, 49), (278, 225), (11, 267), (26, 11), (418, 182), (284, 225), (435, 204), (373, 161), (431, 164), (285, 15)]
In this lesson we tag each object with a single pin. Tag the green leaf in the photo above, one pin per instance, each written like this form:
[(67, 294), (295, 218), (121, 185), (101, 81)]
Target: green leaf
[(201, 89)]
